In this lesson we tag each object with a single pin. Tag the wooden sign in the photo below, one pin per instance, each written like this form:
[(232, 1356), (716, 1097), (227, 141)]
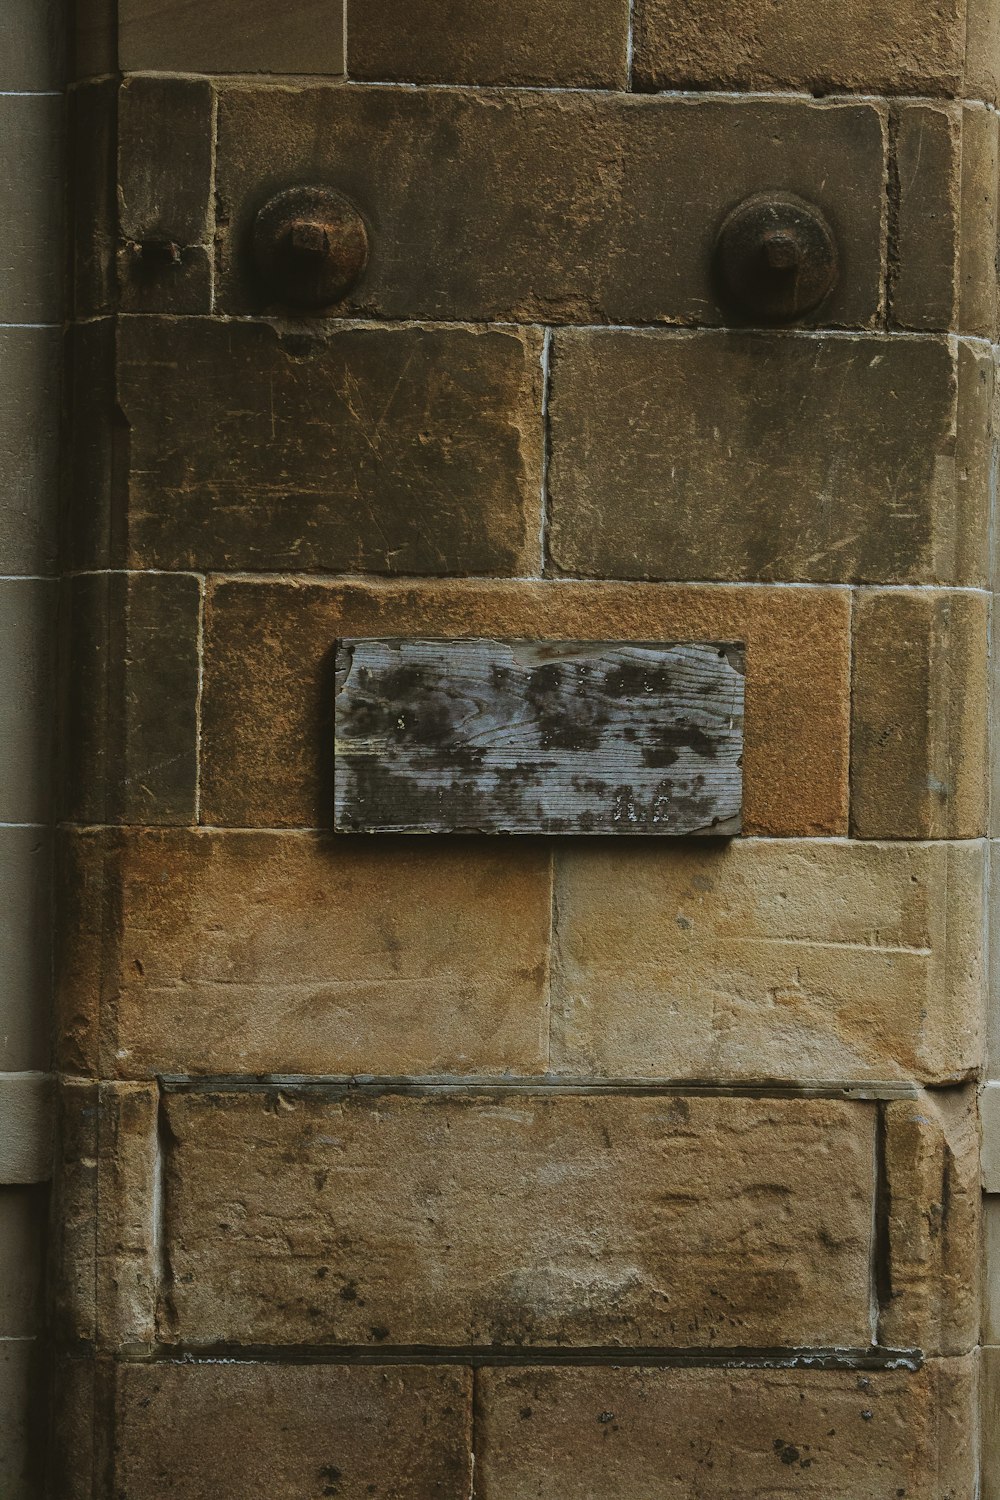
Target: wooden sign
[(484, 736)]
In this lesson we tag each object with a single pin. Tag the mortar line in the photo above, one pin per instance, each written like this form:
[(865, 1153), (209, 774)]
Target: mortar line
[(199, 698), (211, 223), (630, 49), (543, 521), (473, 1433), (536, 1085), (388, 582), (519, 1356)]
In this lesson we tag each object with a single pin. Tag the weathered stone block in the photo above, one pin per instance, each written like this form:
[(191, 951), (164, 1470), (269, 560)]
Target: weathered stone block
[(29, 448), (931, 1299), (269, 662), (453, 1219), (280, 1432), (770, 959), (980, 223), (286, 953), (919, 715), (31, 192), (943, 218), (990, 1418), (982, 50), (164, 253), (407, 450), (991, 1271), (105, 1251), (572, 43), (552, 207), (913, 47), (130, 741), (748, 456), (231, 36), (719, 1434)]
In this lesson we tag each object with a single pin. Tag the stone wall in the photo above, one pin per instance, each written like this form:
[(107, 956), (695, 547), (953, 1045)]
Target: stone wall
[(539, 1166), (32, 37)]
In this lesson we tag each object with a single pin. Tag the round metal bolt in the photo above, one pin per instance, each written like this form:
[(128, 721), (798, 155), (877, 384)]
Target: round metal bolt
[(776, 258), (310, 246)]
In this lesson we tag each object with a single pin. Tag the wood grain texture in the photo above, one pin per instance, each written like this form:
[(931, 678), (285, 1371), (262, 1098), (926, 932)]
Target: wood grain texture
[(517, 737)]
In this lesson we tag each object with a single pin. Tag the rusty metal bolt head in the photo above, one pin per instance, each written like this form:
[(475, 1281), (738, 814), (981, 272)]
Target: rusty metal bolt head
[(776, 258), (310, 247)]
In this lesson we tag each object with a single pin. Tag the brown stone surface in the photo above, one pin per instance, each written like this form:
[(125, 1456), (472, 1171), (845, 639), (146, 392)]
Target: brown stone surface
[(405, 450), (333, 1217), (979, 223), (875, 46), (130, 739), (283, 1432), (576, 43), (925, 208), (990, 1418), (231, 36), (104, 1254), (919, 715), (932, 1295), (762, 959), (164, 198), (548, 206), (269, 665), (982, 50), (287, 953), (600, 1434), (732, 456)]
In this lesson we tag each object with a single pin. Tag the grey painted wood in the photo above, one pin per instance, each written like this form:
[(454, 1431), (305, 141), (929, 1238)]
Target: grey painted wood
[(485, 736)]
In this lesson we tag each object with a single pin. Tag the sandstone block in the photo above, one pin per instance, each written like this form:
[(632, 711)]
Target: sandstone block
[(194, 952), (333, 1217), (990, 1419), (914, 47), (231, 36), (269, 661), (932, 1294), (280, 1432), (991, 1271), (551, 206), (738, 456), (982, 50), (164, 253), (407, 450), (104, 1252), (925, 208), (796, 960), (727, 1434), (130, 738), (572, 43), (980, 223), (919, 707), (943, 217)]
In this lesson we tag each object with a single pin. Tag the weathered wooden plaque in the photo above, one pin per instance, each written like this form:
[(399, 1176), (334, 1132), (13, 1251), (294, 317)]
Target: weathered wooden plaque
[(484, 736)]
